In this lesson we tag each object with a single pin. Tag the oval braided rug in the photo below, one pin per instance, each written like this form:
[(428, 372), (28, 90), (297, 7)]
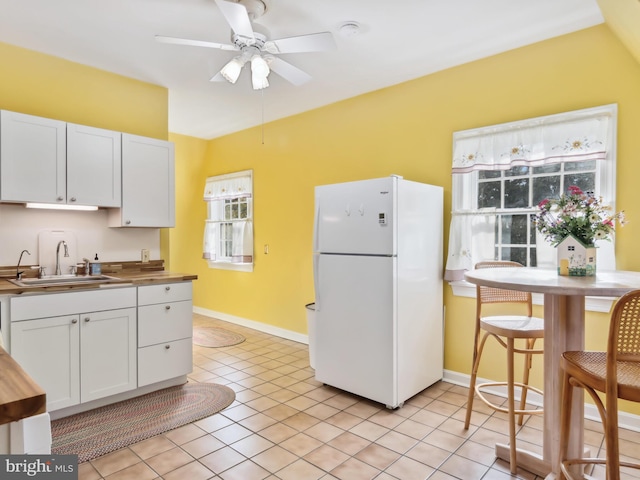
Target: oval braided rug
[(106, 429), (215, 337)]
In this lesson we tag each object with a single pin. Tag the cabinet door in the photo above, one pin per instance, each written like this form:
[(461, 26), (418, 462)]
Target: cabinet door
[(48, 350), (32, 159), (94, 166), (148, 198), (108, 353)]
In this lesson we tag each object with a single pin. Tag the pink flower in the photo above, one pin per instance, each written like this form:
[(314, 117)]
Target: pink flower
[(574, 190)]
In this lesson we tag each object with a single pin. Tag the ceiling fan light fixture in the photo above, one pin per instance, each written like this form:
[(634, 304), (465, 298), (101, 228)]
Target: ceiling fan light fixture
[(231, 71), (259, 72), (259, 66), (259, 82)]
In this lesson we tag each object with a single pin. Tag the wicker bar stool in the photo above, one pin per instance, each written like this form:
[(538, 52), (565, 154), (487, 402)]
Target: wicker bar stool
[(506, 329), (616, 373)]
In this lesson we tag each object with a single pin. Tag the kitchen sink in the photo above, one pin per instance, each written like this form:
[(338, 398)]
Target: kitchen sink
[(52, 280)]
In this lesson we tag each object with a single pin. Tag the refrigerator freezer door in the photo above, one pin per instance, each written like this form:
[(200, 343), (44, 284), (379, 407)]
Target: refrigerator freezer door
[(356, 217), (355, 326)]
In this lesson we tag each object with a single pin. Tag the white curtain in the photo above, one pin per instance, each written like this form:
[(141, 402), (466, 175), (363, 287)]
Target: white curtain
[(216, 189), (242, 240), (533, 142), (471, 240), (209, 247)]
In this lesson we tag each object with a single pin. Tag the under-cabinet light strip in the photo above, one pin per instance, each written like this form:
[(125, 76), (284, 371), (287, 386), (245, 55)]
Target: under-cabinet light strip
[(54, 206)]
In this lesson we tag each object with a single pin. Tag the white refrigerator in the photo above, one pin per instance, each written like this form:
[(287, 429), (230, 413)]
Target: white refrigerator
[(378, 269)]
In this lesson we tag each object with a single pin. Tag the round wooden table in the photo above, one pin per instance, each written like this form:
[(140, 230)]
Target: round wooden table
[(564, 313)]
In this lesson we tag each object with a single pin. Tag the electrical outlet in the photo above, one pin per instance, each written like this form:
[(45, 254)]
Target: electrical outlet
[(145, 255)]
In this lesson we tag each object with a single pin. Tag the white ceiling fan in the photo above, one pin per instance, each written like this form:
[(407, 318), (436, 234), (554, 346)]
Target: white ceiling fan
[(256, 48)]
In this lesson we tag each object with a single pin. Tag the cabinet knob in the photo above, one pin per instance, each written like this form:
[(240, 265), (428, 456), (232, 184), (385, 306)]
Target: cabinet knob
[(72, 199), (86, 319), (75, 320), (167, 288), (60, 199), (127, 222), (167, 347), (167, 307)]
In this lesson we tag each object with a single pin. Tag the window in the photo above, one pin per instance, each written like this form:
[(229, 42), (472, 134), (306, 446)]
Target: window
[(516, 193), (501, 173), (228, 233)]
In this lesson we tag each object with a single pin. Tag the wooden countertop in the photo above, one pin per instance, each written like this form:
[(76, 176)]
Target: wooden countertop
[(133, 273), (20, 396)]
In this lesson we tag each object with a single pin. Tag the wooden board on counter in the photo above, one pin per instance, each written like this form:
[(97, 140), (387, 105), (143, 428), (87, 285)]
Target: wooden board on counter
[(20, 396)]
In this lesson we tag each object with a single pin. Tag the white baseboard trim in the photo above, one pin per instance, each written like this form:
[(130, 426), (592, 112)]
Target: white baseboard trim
[(261, 327), (626, 420)]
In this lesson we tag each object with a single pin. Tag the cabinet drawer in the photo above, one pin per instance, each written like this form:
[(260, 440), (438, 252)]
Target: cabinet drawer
[(57, 304), (164, 322), (167, 292), (164, 361)]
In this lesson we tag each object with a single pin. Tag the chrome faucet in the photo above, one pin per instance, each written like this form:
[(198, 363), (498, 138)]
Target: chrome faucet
[(66, 254)]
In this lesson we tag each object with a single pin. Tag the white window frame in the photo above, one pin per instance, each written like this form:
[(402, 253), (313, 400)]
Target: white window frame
[(465, 193), (216, 208)]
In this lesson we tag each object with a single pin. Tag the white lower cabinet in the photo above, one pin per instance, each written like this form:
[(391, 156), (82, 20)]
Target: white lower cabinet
[(108, 357), (165, 332), (164, 361), (77, 355), (48, 349), (81, 346)]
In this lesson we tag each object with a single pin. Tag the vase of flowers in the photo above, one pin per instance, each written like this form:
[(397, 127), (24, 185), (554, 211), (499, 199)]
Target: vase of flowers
[(572, 223)]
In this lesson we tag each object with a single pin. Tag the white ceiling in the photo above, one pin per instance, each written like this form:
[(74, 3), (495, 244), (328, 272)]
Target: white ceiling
[(399, 40)]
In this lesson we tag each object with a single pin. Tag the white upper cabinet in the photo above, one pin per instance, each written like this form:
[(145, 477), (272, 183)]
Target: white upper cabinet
[(94, 166), (32, 159), (50, 161), (148, 198)]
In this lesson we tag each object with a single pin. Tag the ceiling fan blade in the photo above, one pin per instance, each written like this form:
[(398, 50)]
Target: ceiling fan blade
[(237, 17), (195, 43), (289, 72), (314, 42)]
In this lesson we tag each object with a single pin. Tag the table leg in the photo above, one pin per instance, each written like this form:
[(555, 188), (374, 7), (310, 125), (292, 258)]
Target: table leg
[(563, 331)]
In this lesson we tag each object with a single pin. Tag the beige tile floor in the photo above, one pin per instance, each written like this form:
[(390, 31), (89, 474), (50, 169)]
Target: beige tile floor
[(285, 425)]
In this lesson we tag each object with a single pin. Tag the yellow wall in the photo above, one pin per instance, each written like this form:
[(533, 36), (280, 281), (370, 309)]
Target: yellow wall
[(186, 238), (51, 87), (407, 130)]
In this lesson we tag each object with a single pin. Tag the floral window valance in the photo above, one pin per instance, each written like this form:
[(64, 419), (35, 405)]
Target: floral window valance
[(218, 188), (539, 141)]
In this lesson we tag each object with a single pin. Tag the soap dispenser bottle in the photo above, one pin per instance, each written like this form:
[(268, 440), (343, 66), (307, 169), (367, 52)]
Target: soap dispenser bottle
[(96, 268)]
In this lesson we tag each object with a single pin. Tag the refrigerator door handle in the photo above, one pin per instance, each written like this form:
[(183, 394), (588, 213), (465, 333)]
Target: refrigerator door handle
[(316, 279)]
